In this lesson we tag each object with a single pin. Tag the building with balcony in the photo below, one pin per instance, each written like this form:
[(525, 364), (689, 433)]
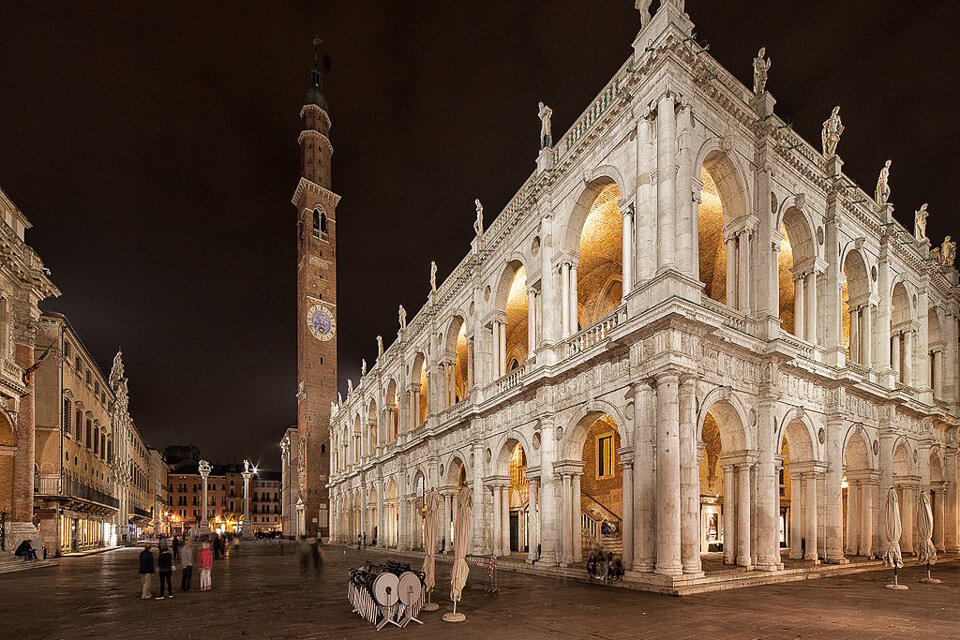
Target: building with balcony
[(265, 501), (76, 491), (688, 338), (24, 282)]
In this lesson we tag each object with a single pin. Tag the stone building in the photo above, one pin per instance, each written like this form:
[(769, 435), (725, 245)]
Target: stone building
[(265, 502), (291, 506), (135, 516), (688, 336), (76, 495), (24, 282), (224, 499), (160, 491)]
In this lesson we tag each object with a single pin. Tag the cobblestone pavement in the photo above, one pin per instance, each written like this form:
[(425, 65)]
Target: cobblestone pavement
[(260, 594)]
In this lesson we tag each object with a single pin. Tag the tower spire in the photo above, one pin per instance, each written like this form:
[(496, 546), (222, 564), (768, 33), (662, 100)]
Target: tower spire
[(315, 90)]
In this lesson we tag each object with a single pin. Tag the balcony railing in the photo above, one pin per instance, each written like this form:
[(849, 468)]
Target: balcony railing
[(512, 379), (595, 333), (77, 489)]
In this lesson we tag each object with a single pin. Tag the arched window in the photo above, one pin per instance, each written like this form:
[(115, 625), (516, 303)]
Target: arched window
[(323, 223), (317, 221)]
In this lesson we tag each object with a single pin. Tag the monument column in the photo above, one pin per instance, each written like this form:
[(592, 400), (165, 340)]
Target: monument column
[(246, 530), (205, 469)]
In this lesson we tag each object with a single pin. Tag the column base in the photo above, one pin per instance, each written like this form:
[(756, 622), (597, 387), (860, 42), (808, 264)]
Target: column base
[(768, 566), (748, 566), (693, 574), (669, 570), (17, 532), (814, 560), (840, 560), (547, 559)]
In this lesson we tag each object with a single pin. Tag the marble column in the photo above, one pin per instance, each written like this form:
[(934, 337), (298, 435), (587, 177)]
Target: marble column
[(628, 522), (644, 478), (566, 531), (574, 300), (853, 519), (811, 300), (908, 518), (576, 521), (950, 495), (565, 299), (547, 494), (531, 322), (744, 267), (502, 337), (810, 509), (689, 477), (938, 519), (497, 521), (668, 473), (796, 517), (666, 182), (505, 519), (743, 514), (855, 335), (908, 358), (731, 272), (478, 499), (866, 337), (867, 494), (532, 537), (799, 308), (895, 356), (627, 250), (729, 515)]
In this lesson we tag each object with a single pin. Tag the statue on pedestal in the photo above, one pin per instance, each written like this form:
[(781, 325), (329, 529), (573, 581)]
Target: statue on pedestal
[(379, 346), (832, 130), (948, 252), (402, 316), (920, 223), (546, 140), (643, 6), (363, 366), (433, 276), (882, 192), (478, 223), (761, 66)]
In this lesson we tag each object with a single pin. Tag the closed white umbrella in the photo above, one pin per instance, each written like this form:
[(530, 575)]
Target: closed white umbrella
[(430, 542), (927, 551), (461, 542), (892, 529)]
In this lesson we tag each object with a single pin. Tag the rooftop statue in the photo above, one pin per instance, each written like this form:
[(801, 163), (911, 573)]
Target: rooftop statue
[(920, 223), (379, 346), (478, 223), (363, 366), (433, 276), (546, 140), (882, 193), (402, 316), (761, 66), (832, 130), (643, 6), (948, 252)]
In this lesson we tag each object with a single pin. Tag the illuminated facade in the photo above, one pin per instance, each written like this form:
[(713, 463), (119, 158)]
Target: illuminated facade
[(698, 339)]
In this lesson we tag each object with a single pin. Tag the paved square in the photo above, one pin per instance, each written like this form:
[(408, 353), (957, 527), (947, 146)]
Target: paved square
[(260, 594)]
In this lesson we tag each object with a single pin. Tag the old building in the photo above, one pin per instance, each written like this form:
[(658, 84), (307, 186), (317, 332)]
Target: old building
[(291, 507), (76, 495), (23, 284), (135, 515), (160, 490), (265, 502), (688, 336)]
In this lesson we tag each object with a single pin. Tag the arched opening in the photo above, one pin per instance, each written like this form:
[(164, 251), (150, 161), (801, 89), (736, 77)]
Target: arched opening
[(7, 447), (456, 477), (723, 252), (856, 310), (901, 335), (373, 440), (371, 530), (725, 485), (797, 277), (461, 371), (420, 390), (599, 501), (511, 513), (906, 482), (455, 362), (510, 330), (935, 345), (859, 497), (393, 411), (392, 520), (801, 490), (600, 268), (357, 440), (419, 511)]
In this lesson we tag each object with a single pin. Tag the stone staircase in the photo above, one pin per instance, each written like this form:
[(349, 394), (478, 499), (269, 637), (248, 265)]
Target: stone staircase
[(10, 563)]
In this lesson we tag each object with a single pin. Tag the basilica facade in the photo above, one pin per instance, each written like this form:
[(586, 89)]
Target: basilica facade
[(689, 335)]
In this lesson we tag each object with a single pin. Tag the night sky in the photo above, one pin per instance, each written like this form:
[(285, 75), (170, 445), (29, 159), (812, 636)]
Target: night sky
[(154, 150)]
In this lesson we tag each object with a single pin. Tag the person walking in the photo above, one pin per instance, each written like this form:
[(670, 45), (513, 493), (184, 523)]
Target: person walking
[(317, 554), (186, 562), (176, 549), (146, 571), (303, 550), (165, 568), (205, 559)]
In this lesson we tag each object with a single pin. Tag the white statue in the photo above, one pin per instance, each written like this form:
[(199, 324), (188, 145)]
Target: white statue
[(948, 252), (545, 114), (349, 387), (882, 193), (761, 66), (205, 468), (832, 130), (643, 6), (363, 366), (379, 346), (433, 275), (402, 316), (339, 399), (246, 466), (478, 224), (920, 223)]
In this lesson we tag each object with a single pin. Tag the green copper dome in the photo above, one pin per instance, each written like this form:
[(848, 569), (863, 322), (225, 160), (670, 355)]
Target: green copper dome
[(315, 91)]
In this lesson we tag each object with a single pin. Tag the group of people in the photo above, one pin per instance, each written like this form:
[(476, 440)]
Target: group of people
[(604, 567), (165, 564), (309, 550)]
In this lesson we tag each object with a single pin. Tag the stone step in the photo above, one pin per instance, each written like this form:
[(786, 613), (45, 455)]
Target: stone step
[(10, 563)]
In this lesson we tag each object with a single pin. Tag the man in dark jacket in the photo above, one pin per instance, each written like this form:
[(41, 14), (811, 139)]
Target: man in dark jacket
[(146, 571)]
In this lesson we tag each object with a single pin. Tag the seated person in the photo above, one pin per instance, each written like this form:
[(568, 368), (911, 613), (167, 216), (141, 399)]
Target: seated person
[(26, 550), (614, 567), (592, 565)]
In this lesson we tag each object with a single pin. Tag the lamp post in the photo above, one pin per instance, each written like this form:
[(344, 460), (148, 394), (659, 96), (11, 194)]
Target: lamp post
[(205, 470), (247, 473)]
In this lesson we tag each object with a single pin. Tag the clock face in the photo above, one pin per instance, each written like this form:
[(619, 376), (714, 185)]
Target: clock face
[(321, 322)]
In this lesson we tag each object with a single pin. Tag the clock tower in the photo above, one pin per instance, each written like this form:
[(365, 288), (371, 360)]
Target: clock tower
[(316, 303)]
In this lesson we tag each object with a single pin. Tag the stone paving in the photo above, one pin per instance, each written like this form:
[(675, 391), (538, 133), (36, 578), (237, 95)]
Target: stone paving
[(260, 594)]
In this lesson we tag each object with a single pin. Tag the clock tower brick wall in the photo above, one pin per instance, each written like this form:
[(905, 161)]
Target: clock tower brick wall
[(316, 285)]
